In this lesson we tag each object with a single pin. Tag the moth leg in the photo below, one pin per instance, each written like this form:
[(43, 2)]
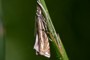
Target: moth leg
[(50, 39)]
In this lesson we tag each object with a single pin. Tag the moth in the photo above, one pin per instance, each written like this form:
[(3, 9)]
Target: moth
[(42, 45)]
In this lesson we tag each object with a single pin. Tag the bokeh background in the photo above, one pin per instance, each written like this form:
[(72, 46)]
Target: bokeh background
[(71, 19)]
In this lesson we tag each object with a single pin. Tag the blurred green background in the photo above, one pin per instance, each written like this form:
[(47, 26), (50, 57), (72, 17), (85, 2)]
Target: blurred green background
[(70, 18)]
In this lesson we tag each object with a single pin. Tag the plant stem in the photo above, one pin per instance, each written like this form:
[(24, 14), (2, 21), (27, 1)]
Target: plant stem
[(56, 39)]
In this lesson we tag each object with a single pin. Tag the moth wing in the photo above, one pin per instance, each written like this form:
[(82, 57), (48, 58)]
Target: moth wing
[(36, 45)]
